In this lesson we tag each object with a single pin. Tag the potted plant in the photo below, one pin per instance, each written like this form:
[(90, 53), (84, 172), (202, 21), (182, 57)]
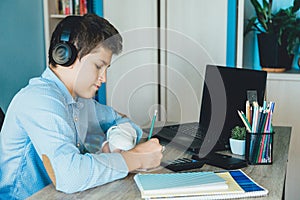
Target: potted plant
[(275, 34), (238, 140)]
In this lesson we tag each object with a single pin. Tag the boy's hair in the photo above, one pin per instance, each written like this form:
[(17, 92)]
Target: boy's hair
[(85, 33)]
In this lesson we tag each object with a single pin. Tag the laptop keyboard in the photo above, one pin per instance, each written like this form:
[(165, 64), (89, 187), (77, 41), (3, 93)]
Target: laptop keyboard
[(192, 130)]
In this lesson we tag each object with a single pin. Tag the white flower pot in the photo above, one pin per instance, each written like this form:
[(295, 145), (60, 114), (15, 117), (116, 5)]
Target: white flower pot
[(237, 146)]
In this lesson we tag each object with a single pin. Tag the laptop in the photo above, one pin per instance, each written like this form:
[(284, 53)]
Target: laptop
[(225, 90)]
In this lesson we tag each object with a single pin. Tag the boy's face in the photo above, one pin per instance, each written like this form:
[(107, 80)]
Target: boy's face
[(91, 72)]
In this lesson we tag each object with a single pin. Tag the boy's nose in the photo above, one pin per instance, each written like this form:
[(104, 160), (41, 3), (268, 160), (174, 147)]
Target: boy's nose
[(102, 77)]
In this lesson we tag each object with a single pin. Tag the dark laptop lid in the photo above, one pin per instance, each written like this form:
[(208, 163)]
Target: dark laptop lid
[(224, 92)]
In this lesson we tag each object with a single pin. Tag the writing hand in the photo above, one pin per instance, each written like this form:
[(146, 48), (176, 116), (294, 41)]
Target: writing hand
[(144, 155)]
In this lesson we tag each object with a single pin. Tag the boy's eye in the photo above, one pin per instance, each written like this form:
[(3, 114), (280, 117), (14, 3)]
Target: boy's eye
[(98, 67)]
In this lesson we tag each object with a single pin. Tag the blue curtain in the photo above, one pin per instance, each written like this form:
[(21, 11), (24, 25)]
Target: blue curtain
[(231, 34), (22, 46)]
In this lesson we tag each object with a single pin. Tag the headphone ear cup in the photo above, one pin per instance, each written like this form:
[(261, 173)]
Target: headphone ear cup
[(64, 53)]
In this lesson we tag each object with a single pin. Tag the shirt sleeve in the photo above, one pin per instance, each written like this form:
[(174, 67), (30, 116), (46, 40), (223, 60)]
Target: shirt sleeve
[(112, 118), (47, 122)]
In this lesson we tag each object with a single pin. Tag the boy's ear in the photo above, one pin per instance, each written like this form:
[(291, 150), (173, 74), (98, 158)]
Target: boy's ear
[(49, 168)]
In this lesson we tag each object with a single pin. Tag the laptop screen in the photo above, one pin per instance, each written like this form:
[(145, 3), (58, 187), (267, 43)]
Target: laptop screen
[(225, 91)]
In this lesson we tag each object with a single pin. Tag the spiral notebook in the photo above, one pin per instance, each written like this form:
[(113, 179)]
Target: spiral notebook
[(178, 186)]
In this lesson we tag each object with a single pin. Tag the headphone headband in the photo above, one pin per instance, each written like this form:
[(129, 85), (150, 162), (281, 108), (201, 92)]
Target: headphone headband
[(65, 36)]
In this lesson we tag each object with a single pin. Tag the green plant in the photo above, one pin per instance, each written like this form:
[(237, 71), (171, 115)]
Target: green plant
[(238, 133), (293, 36), (283, 23)]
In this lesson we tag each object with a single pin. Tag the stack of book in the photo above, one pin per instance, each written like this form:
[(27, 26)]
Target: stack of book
[(198, 185), (74, 7)]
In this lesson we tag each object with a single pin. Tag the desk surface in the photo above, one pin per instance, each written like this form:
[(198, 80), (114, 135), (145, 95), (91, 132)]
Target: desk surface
[(271, 177)]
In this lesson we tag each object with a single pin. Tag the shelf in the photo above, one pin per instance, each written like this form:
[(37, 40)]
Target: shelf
[(58, 16), (290, 75)]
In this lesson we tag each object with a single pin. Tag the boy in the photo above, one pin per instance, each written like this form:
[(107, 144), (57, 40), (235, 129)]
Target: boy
[(46, 124)]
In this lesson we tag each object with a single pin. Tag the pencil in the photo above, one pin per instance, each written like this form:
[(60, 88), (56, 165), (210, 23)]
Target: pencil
[(248, 114), (243, 118), (152, 125)]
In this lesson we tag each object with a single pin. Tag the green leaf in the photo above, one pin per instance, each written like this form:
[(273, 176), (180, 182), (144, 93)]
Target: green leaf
[(250, 25), (270, 9), (238, 133), (296, 6), (261, 13)]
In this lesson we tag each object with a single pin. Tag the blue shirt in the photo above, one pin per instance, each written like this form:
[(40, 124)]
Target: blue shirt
[(43, 118)]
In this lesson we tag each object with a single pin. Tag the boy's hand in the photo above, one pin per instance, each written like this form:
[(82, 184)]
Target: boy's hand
[(145, 155)]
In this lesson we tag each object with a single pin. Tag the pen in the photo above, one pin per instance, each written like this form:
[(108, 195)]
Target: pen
[(152, 125)]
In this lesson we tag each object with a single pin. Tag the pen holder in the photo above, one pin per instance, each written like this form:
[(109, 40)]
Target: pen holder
[(259, 148)]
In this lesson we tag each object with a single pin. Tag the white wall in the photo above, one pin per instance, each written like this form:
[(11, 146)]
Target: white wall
[(132, 77), (196, 37), (191, 37)]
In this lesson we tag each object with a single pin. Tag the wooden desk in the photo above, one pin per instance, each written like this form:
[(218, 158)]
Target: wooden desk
[(272, 177)]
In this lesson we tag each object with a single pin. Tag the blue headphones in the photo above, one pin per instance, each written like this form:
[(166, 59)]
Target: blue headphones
[(64, 53)]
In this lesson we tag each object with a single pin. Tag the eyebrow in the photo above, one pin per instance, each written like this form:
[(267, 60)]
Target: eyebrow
[(105, 63)]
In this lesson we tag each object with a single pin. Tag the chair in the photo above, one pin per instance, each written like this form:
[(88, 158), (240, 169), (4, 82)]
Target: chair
[(1, 118)]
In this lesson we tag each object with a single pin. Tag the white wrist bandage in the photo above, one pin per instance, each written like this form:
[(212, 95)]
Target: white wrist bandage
[(122, 136)]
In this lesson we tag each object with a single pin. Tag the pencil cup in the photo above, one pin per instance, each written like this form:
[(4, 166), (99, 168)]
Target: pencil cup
[(259, 148)]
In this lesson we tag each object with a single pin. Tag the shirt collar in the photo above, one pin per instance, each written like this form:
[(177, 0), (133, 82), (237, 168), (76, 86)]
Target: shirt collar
[(50, 75)]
